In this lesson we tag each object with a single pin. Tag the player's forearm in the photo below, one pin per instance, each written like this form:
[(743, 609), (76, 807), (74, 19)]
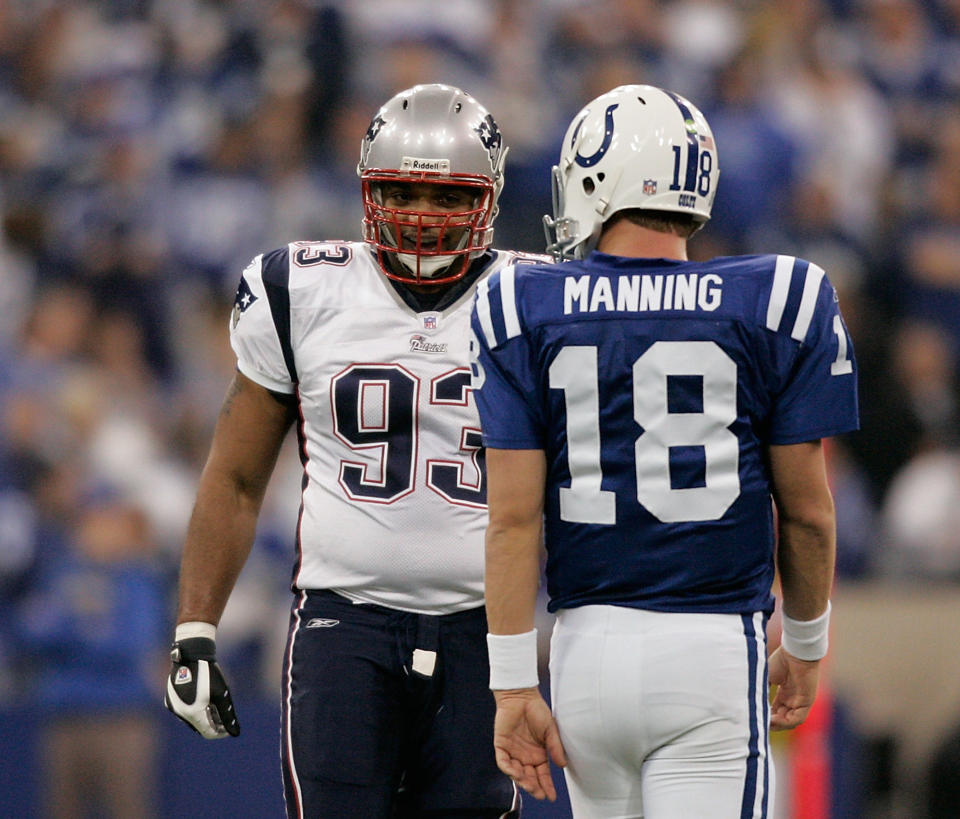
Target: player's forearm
[(806, 557), (246, 442), (515, 495), (219, 537), (807, 523), (512, 577)]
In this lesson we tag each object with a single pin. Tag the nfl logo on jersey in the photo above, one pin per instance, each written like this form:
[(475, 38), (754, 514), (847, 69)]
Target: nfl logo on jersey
[(649, 186), (430, 321)]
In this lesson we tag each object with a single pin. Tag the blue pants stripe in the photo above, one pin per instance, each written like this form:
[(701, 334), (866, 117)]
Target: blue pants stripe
[(758, 750)]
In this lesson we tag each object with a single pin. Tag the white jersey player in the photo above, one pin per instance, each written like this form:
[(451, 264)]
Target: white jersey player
[(394, 504), (365, 347)]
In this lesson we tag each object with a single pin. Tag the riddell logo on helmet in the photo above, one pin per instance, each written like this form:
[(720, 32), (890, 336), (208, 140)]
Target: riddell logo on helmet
[(413, 163)]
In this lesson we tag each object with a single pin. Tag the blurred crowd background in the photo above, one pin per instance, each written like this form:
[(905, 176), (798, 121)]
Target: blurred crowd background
[(149, 149)]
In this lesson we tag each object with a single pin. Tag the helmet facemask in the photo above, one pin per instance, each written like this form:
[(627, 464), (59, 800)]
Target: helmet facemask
[(426, 247)]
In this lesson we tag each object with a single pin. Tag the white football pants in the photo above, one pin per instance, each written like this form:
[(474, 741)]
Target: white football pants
[(663, 715)]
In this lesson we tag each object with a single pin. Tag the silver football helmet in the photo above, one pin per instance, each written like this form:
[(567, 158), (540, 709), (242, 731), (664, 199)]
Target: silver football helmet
[(436, 134), (636, 146)]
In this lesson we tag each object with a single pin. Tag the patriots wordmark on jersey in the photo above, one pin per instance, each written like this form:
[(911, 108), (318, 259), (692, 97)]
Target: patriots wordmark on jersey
[(667, 381), (389, 433)]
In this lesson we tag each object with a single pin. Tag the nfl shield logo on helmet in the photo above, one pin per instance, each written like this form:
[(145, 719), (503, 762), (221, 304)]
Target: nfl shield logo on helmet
[(649, 186), (183, 676)]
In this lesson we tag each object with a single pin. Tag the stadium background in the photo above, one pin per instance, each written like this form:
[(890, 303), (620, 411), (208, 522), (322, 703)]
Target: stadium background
[(149, 149)]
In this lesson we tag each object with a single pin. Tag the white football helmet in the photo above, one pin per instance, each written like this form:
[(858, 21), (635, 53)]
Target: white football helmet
[(439, 134), (636, 146)]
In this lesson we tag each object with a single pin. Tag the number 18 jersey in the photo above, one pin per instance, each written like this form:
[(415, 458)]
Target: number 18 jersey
[(654, 387)]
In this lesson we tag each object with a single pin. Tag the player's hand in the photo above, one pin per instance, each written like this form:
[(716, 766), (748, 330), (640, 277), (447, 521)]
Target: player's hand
[(196, 690), (524, 733), (796, 682)]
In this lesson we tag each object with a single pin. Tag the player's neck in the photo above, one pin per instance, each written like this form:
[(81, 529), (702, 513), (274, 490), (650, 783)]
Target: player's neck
[(626, 239)]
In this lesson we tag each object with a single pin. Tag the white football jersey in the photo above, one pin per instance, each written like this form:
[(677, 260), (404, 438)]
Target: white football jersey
[(394, 498)]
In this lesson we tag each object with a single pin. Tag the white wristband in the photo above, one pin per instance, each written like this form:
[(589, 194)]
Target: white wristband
[(513, 660), (806, 639), (185, 631)]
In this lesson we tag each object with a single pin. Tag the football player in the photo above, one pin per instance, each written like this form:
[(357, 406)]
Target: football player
[(656, 411), (365, 347)]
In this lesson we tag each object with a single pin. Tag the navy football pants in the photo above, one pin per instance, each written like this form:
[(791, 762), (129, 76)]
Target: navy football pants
[(369, 731)]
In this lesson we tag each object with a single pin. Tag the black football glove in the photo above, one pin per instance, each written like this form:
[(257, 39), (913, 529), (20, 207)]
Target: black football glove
[(196, 690)]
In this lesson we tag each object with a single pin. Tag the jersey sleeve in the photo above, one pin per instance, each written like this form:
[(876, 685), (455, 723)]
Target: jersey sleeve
[(253, 333), (502, 375), (819, 394)]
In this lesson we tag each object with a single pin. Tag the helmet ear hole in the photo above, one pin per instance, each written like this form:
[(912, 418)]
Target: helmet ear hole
[(588, 186)]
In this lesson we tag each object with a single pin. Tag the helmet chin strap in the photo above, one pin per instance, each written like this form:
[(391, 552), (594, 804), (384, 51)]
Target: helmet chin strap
[(430, 266)]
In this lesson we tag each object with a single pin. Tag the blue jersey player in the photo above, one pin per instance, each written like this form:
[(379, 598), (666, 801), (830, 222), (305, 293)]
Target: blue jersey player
[(662, 419)]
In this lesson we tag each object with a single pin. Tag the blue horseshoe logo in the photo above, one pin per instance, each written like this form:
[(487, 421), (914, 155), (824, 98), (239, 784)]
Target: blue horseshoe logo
[(594, 158)]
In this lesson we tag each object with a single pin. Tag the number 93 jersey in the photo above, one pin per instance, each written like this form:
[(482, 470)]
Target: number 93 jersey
[(394, 500), (654, 387)]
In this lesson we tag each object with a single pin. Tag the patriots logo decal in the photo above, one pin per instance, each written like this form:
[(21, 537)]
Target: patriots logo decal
[(490, 137), (375, 125), (243, 300)]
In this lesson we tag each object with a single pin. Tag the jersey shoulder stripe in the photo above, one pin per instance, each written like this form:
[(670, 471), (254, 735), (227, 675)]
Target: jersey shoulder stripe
[(275, 272), (496, 306), (260, 324), (497, 301), (508, 302), (484, 314), (777, 302), (786, 309), (811, 289)]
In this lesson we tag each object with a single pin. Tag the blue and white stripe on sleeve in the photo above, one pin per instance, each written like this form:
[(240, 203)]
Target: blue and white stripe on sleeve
[(496, 307), (785, 304)]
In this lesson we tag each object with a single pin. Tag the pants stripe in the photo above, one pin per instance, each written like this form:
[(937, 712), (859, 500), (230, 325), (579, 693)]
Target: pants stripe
[(293, 791), (757, 781), (764, 713)]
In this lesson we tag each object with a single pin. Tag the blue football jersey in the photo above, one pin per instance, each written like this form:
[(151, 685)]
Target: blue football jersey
[(654, 387)]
